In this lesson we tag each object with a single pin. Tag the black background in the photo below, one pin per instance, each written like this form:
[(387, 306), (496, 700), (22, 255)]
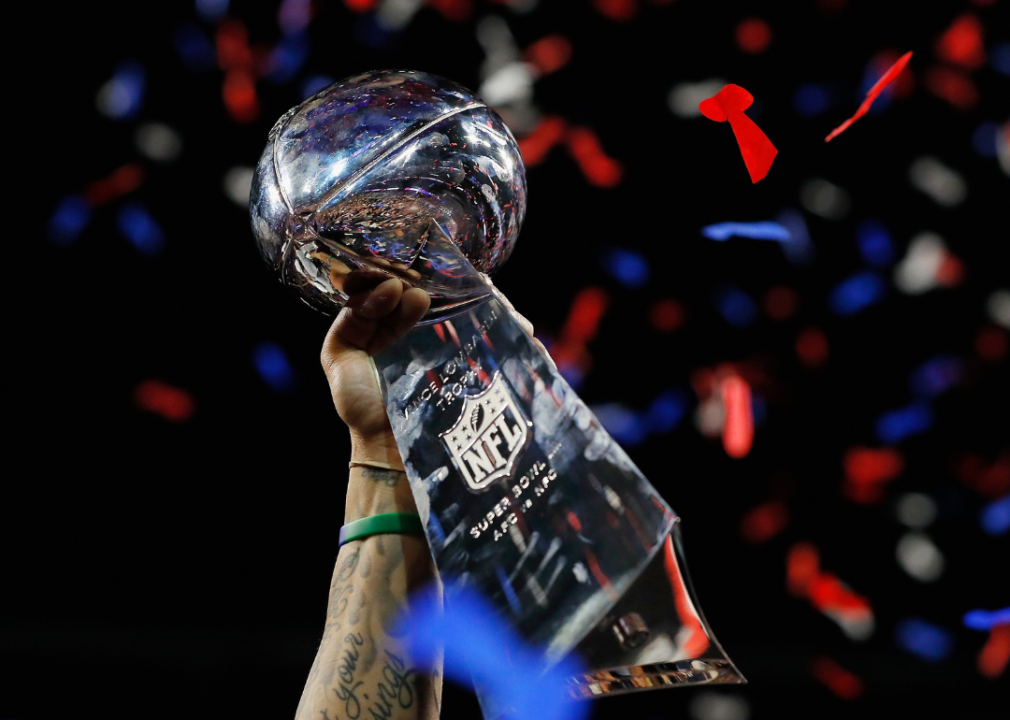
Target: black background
[(170, 570)]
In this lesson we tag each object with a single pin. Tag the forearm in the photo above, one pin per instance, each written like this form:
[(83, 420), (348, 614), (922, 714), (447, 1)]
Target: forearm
[(361, 670)]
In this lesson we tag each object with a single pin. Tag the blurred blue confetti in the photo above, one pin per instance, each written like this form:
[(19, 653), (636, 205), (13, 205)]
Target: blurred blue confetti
[(799, 250), (899, 424), (621, 422), (930, 642), (857, 292), (287, 59), (1000, 58), (294, 16), (70, 218), (137, 226), (272, 364), (122, 96), (984, 139), (194, 48), (314, 84), (985, 619), (875, 243), (736, 307), (995, 518), (755, 230), (811, 99), (935, 376), (626, 266), (479, 647), (211, 10), (667, 410)]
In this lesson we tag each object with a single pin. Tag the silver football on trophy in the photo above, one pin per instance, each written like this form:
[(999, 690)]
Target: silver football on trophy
[(358, 175)]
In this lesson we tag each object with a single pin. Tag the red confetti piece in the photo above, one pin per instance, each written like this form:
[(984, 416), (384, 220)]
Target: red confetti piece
[(619, 10), (240, 96), (992, 344), (361, 6), (781, 303), (961, 43), (755, 147), (878, 87), (812, 347), (764, 522), (123, 180), (453, 10), (989, 479), (738, 426), (802, 568), (666, 315), (867, 471), (753, 36), (232, 40), (992, 660), (171, 403), (952, 86), (580, 328), (836, 678), (549, 54), (549, 132), (598, 168)]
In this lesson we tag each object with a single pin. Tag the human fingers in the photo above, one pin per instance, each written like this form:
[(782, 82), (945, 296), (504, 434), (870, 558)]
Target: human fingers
[(356, 324), (414, 303)]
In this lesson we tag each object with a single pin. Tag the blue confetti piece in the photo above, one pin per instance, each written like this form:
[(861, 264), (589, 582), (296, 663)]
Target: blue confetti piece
[(195, 50), (857, 293), (999, 56), (623, 423), (314, 84), (899, 424), (985, 619), (272, 364), (935, 376), (628, 267), (122, 97), (811, 99), (755, 230), (294, 16), (511, 678), (72, 215), (799, 250), (875, 244), (211, 10), (287, 59), (736, 307), (667, 410), (984, 139), (137, 226), (929, 642), (995, 517)]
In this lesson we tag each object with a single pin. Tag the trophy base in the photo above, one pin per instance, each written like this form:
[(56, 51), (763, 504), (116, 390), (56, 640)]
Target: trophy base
[(654, 636)]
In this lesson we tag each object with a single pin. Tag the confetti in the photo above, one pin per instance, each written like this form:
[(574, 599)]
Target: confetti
[(886, 79), (171, 403), (755, 147), (753, 230)]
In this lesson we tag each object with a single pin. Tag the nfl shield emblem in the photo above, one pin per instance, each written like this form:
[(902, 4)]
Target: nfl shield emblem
[(488, 436)]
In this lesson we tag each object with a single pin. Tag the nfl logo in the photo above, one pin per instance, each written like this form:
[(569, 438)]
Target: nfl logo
[(488, 436)]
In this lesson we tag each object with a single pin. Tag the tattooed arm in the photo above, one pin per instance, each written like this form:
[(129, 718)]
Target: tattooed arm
[(361, 671)]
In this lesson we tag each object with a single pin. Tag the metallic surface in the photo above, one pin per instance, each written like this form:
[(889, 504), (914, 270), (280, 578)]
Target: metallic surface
[(353, 176)]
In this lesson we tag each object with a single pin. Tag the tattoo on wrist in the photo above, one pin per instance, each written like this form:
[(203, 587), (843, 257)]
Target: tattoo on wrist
[(389, 478)]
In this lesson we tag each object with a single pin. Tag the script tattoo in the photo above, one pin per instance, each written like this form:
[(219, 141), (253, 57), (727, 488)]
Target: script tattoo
[(347, 688), (394, 690), (389, 478)]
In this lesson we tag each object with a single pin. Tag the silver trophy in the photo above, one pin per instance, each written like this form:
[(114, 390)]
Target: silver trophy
[(523, 494)]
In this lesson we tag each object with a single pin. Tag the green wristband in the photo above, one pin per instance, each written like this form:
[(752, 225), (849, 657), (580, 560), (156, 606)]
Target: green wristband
[(387, 523)]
